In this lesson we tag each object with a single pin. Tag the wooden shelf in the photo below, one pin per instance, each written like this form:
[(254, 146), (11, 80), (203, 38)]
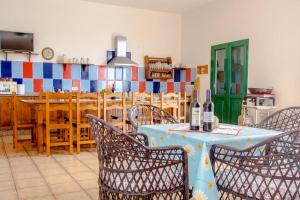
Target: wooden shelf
[(70, 63), (29, 53), (153, 73), (83, 66), (161, 70), (180, 68)]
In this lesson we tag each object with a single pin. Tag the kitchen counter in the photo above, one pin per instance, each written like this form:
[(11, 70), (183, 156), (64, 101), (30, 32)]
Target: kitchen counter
[(21, 95)]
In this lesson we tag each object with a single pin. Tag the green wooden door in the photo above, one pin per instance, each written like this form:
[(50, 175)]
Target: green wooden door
[(229, 77)]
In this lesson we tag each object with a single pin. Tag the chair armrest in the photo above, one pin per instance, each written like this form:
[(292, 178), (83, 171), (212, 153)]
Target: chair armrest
[(169, 154), (141, 137)]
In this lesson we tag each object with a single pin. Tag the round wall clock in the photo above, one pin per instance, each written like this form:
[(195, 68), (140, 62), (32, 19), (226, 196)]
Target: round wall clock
[(47, 53)]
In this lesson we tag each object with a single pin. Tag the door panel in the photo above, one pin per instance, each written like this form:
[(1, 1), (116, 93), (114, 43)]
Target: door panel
[(220, 107), (235, 109), (219, 85), (237, 68), (229, 78), (238, 52)]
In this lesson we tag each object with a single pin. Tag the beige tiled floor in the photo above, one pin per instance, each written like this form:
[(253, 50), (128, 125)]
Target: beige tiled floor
[(28, 175)]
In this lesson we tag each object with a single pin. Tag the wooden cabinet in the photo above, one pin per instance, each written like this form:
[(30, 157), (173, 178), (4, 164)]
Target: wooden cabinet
[(25, 113), (5, 112)]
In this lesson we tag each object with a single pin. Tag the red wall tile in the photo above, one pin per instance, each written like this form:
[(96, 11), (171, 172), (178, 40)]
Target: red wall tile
[(76, 83), (110, 84), (182, 87), (142, 86), (188, 75), (135, 73), (67, 71), (38, 85), (102, 72), (170, 87), (27, 70)]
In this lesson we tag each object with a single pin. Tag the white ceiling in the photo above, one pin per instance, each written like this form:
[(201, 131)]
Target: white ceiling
[(175, 6)]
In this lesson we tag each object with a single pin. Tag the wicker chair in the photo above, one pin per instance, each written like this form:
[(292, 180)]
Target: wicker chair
[(144, 114), (129, 169), (287, 119), (269, 170)]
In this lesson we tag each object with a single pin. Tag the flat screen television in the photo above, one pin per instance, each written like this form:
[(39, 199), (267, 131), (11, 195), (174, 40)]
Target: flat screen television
[(16, 41)]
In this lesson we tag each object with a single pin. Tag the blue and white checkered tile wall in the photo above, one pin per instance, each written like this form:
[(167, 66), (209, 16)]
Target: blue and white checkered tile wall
[(43, 76)]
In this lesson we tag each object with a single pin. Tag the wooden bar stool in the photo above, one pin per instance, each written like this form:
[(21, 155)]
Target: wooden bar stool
[(86, 103), (59, 131), (182, 107), (142, 98), (24, 121), (114, 109), (171, 102)]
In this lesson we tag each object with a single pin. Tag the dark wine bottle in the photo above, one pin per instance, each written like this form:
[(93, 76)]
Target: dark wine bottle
[(195, 112), (208, 113)]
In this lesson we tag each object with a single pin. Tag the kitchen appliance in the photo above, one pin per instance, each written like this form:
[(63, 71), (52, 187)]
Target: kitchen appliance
[(21, 89), (121, 60), (261, 90), (261, 99), (16, 41), (8, 87), (259, 103)]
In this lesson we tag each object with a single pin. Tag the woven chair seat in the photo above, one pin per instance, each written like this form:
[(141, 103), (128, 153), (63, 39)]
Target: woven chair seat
[(251, 185)]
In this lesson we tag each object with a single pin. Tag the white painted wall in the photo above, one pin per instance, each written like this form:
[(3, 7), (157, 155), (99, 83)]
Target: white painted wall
[(273, 28), (86, 29)]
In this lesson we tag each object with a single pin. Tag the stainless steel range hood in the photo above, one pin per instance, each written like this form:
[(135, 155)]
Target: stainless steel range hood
[(121, 60)]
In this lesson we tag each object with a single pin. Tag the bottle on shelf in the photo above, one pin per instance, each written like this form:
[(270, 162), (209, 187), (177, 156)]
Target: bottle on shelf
[(208, 113), (195, 112)]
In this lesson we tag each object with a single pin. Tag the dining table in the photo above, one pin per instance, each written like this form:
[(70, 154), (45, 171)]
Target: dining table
[(197, 144)]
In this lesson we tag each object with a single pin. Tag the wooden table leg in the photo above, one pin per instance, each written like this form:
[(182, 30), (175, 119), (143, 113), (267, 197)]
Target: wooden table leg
[(40, 139)]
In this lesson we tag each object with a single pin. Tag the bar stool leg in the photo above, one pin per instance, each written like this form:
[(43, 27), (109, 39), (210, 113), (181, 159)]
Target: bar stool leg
[(71, 140), (15, 137), (47, 141)]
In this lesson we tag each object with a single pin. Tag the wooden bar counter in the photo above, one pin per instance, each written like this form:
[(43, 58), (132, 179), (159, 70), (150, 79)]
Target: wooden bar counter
[(6, 110)]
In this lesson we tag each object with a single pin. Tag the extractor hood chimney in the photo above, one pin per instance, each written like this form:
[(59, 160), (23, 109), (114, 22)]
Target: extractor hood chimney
[(121, 60)]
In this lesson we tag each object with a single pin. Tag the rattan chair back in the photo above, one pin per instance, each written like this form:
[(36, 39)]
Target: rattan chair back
[(130, 170), (269, 170), (287, 119), (144, 114)]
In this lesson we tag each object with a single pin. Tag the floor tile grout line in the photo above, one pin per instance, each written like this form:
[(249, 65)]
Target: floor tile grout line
[(72, 177), (10, 166), (94, 154), (95, 172), (38, 169)]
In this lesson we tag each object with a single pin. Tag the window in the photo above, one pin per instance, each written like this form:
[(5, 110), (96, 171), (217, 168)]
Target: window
[(121, 77)]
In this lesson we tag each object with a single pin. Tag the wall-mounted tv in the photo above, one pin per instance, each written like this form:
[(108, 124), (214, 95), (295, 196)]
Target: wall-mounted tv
[(16, 41)]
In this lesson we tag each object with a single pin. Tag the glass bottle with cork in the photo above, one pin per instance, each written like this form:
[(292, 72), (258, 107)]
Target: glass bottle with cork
[(195, 112)]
